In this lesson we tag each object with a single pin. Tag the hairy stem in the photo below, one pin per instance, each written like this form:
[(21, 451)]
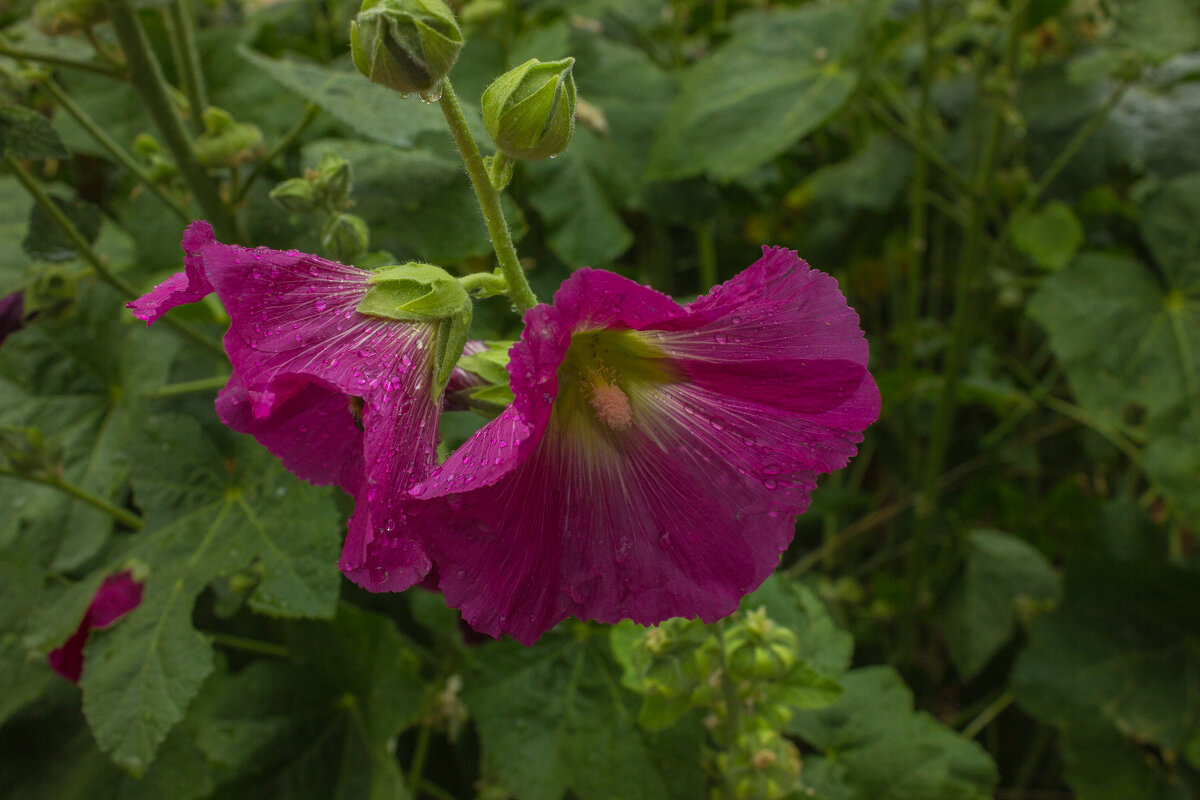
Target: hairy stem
[(182, 30), (121, 515), (97, 67), (90, 256), (114, 149), (489, 200), (147, 76)]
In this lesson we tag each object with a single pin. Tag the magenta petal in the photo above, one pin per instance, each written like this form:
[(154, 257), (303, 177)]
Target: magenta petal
[(117, 596), (678, 499), (340, 397), (185, 287)]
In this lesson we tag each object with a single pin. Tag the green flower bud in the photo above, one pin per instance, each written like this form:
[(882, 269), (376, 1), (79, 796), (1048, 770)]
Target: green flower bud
[(421, 292), (55, 17), (406, 45), (296, 195), (759, 649), (529, 111), (763, 765), (335, 176), (226, 142), (345, 237)]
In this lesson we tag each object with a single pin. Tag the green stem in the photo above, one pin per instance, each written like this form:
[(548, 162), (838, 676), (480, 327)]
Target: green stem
[(920, 146), (489, 200), (126, 518), (89, 255), (147, 77), (248, 645), (62, 61), (418, 760), (966, 279), (114, 149), (311, 111), (733, 706), (1077, 141), (985, 718), (431, 788), (484, 284), (182, 32), (186, 387), (918, 233)]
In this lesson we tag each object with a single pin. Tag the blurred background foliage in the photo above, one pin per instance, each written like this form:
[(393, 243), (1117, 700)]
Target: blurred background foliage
[(1002, 586)]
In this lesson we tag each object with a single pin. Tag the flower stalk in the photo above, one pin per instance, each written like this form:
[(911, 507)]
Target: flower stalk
[(146, 74), (489, 200)]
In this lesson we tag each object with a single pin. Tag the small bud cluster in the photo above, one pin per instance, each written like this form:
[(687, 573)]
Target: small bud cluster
[(748, 679), (225, 141), (326, 189)]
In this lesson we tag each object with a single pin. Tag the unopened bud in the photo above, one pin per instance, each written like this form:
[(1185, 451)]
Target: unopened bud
[(345, 237), (226, 142), (406, 45), (529, 111), (296, 195)]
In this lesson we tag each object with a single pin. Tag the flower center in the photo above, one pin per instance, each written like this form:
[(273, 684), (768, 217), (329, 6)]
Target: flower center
[(605, 377), (609, 402)]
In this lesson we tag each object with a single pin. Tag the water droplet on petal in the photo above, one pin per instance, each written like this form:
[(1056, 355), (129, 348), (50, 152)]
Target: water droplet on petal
[(320, 305)]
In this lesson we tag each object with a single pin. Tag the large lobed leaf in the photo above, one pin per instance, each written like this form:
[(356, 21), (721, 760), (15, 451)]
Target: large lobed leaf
[(207, 514)]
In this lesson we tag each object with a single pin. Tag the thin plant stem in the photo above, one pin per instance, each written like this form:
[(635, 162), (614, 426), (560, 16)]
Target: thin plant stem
[(897, 507), (121, 515), (182, 30), (489, 200), (97, 67), (186, 387), (417, 766), (311, 111), (147, 76), (484, 284), (988, 715), (248, 645), (966, 279), (920, 146), (733, 711), (1072, 147), (125, 159), (432, 789), (89, 255)]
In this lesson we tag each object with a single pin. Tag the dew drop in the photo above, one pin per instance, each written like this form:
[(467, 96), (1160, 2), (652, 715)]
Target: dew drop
[(320, 305), (718, 423), (721, 338)]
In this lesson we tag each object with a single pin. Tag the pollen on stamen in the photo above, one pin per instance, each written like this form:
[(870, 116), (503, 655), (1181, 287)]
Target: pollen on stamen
[(610, 403)]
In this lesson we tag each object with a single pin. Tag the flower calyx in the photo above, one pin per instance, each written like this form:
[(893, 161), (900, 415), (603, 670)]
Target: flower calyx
[(406, 45), (529, 111), (416, 292)]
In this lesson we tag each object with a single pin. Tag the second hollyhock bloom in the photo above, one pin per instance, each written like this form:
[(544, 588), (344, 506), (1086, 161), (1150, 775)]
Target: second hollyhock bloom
[(341, 397), (655, 455), (118, 595)]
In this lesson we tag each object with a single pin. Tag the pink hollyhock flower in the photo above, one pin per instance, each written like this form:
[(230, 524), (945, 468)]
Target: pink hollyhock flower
[(655, 455), (117, 596), (341, 397)]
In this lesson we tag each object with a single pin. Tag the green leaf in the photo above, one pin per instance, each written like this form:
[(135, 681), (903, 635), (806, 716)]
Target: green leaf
[(1169, 227), (1050, 236), (1002, 577), (24, 133), (871, 178), (206, 516), (781, 76), (80, 381), (876, 748), (1116, 668), (1114, 332), (582, 227), (47, 241), (1157, 29), (552, 718), (319, 725)]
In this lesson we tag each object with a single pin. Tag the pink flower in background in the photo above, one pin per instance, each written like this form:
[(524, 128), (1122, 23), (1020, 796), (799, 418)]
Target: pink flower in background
[(341, 397), (655, 455), (117, 596)]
